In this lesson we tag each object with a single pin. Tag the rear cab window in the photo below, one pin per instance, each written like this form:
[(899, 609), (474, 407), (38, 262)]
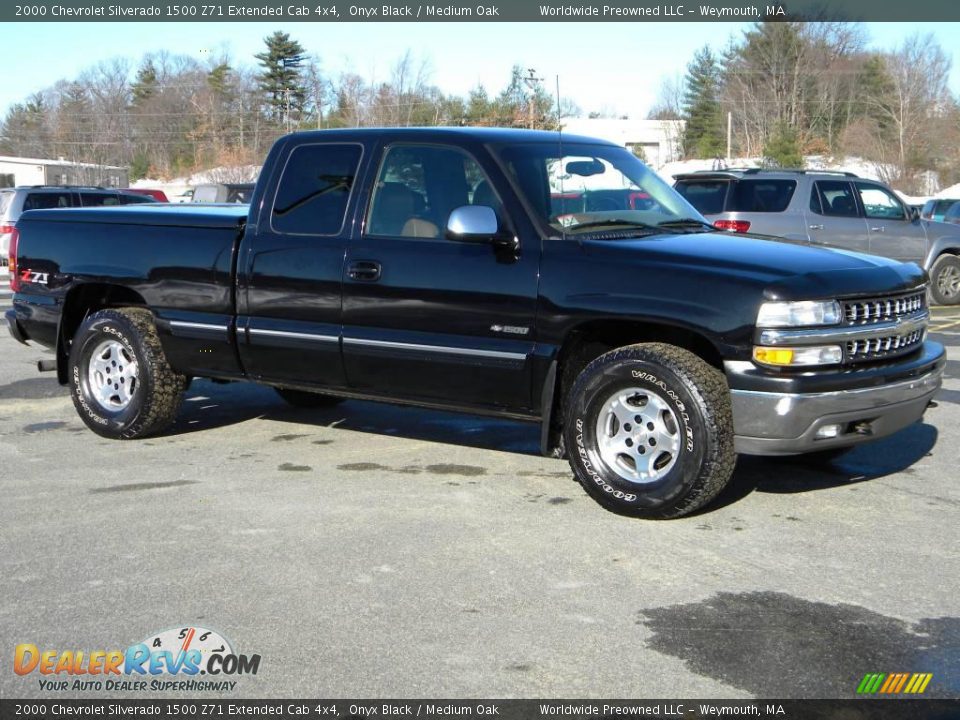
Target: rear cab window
[(315, 189)]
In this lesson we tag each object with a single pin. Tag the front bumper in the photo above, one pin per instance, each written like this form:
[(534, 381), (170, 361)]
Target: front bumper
[(786, 423)]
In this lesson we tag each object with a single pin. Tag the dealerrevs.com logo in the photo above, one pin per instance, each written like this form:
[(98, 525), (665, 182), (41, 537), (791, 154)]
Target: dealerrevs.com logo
[(171, 660)]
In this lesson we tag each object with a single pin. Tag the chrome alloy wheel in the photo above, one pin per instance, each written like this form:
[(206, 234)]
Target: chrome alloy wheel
[(948, 282), (638, 435), (113, 375)]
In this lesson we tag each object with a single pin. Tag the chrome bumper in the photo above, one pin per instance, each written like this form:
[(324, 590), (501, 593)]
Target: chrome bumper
[(772, 423)]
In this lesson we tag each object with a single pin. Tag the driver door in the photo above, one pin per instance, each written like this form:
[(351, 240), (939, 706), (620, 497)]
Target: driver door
[(893, 231), (433, 319)]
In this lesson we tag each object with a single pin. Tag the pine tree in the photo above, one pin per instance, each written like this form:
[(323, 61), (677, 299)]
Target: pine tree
[(280, 80), (783, 148), (146, 84), (703, 134)]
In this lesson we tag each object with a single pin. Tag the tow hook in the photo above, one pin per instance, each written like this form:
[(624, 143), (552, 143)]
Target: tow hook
[(932, 404)]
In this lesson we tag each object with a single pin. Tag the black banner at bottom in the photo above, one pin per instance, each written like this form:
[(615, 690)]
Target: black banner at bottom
[(874, 709)]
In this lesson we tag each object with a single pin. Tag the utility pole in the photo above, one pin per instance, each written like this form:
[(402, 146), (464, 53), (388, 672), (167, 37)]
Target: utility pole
[(729, 134), (286, 93), (532, 81)]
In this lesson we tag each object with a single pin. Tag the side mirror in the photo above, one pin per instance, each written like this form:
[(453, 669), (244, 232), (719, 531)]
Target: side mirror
[(473, 223), (914, 214)]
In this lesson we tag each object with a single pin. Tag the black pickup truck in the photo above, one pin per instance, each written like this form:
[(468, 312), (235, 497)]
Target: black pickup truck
[(523, 274)]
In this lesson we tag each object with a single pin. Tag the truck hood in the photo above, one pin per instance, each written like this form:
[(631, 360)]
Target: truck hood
[(184, 215), (785, 271)]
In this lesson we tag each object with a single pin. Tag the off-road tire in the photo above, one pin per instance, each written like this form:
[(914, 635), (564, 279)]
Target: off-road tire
[(156, 401), (946, 263), (699, 398), (304, 399)]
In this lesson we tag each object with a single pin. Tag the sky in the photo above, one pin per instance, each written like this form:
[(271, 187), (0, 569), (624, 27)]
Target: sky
[(611, 67)]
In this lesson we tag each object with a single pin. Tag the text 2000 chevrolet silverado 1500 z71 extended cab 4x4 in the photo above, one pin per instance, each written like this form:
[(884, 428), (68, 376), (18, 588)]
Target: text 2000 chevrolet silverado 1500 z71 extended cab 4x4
[(450, 268)]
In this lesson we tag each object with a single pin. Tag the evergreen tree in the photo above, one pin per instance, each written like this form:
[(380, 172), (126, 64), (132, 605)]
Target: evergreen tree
[(703, 135), (783, 148), (281, 80), (146, 84)]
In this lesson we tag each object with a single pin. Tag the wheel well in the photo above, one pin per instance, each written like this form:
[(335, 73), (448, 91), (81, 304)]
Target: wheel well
[(589, 341), (80, 302)]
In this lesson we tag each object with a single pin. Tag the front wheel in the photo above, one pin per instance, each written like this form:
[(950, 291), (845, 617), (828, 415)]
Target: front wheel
[(120, 381), (945, 280), (649, 431)]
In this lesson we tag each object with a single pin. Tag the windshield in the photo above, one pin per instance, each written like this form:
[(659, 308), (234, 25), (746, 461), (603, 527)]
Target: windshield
[(593, 189)]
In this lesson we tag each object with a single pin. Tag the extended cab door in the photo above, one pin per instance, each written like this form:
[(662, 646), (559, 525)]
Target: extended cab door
[(833, 217), (893, 231), (291, 262), (430, 318)]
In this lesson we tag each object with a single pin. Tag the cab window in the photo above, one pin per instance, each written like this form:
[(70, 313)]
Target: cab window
[(419, 186), (315, 188), (880, 203), (833, 198)]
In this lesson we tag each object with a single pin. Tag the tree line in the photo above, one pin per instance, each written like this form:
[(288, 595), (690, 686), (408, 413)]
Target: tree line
[(791, 89), (170, 115)]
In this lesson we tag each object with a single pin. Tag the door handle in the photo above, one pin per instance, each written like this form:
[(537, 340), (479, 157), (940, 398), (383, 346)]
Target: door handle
[(878, 229), (364, 270), (816, 227)]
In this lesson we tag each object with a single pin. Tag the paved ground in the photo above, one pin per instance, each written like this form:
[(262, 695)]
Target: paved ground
[(376, 551)]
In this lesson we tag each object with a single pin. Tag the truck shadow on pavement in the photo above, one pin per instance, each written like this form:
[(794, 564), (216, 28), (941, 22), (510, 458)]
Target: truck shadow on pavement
[(208, 406), (804, 473)]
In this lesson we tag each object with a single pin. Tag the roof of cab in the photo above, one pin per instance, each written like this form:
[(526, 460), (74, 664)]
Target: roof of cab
[(448, 134)]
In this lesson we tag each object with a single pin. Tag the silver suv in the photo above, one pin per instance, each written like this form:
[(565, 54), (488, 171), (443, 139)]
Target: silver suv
[(830, 209), (17, 200)]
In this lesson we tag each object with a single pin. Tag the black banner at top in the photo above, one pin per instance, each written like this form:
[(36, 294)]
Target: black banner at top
[(332, 11)]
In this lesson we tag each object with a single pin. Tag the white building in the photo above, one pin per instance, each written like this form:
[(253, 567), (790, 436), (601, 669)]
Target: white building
[(36, 171), (658, 139)]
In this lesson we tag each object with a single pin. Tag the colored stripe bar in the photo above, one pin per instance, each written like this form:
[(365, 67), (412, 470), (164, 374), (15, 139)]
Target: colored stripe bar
[(926, 682), (875, 685), (900, 683)]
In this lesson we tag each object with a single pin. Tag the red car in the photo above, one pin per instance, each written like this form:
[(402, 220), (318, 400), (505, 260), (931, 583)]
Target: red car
[(157, 195)]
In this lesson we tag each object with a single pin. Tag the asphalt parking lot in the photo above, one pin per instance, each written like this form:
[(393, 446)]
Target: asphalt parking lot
[(377, 551)]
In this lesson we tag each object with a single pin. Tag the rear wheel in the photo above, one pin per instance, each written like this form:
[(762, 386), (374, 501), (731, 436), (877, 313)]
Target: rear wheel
[(120, 381), (649, 431), (303, 399), (945, 280)]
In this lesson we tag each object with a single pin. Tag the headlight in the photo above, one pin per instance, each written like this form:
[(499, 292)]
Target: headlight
[(798, 314), (798, 356)]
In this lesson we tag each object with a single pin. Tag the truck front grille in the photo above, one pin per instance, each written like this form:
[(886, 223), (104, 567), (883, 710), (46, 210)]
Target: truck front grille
[(880, 347), (875, 310)]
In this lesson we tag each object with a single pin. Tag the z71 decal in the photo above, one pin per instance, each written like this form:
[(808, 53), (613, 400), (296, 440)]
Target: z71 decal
[(29, 276)]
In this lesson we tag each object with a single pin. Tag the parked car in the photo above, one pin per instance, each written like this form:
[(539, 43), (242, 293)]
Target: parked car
[(953, 214), (16, 200), (936, 208), (827, 209), (433, 267), (223, 193), (185, 197), (158, 195)]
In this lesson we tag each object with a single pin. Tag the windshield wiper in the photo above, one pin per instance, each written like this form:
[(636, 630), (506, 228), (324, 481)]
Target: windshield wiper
[(685, 222), (611, 223)]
